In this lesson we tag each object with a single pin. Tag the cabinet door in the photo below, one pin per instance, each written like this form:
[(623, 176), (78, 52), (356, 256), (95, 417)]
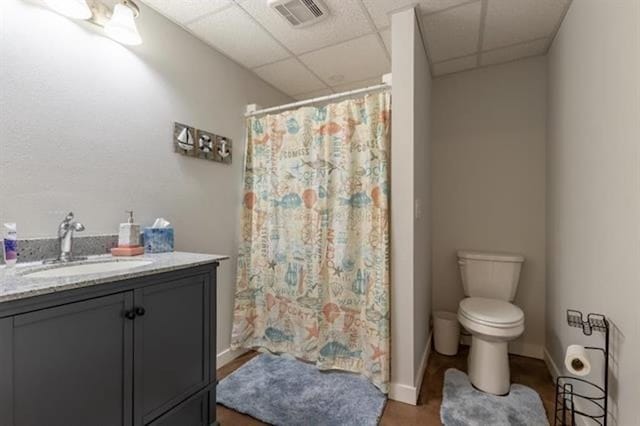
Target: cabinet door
[(192, 412), (71, 365), (171, 344)]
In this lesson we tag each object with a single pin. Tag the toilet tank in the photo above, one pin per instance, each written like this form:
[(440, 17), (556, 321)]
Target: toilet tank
[(491, 275)]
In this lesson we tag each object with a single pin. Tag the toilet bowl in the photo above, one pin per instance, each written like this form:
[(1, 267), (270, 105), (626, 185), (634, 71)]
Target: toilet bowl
[(490, 281), (492, 324)]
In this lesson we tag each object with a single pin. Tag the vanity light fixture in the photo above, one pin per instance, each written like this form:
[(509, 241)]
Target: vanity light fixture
[(121, 27), (119, 22), (75, 9)]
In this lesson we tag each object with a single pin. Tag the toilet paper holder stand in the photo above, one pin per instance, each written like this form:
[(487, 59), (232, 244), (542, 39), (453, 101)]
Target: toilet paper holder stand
[(591, 396)]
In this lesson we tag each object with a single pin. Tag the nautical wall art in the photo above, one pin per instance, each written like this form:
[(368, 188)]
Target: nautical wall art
[(183, 139), (198, 143)]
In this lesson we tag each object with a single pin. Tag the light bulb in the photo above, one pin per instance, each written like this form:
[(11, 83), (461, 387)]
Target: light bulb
[(76, 9), (121, 27)]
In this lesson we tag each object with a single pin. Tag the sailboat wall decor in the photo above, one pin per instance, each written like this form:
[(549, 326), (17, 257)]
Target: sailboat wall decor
[(192, 142)]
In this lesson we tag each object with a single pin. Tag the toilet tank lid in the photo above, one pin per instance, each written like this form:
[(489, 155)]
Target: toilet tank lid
[(491, 256)]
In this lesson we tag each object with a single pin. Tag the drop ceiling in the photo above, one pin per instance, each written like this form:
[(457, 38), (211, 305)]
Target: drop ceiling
[(352, 47)]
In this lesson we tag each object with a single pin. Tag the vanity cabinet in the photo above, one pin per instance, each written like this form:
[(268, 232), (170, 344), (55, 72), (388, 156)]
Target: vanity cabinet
[(131, 353), (171, 348), (72, 364)]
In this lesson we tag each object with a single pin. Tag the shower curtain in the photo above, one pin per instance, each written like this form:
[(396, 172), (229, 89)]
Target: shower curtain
[(313, 264)]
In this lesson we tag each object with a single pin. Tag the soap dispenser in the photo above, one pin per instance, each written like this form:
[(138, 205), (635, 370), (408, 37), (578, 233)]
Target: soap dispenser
[(128, 238)]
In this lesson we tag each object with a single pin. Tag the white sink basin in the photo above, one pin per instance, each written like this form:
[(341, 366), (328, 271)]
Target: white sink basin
[(71, 270)]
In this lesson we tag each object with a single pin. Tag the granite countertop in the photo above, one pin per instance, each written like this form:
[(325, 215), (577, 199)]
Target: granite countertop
[(14, 285)]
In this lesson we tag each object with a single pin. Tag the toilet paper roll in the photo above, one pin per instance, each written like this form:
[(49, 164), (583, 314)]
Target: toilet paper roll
[(577, 360)]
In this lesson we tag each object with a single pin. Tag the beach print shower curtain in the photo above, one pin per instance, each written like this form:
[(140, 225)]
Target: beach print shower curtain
[(313, 265)]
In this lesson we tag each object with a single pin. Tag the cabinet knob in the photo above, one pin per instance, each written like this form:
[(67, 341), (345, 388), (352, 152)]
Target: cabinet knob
[(130, 315), (140, 311)]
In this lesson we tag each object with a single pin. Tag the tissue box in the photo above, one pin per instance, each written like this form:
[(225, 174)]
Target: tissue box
[(158, 240)]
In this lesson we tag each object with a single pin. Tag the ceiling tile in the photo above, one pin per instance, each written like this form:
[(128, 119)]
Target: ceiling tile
[(353, 60), (357, 85), (380, 9), (290, 76), (455, 65), (454, 32), (235, 34), (314, 94), (513, 21), (183, 12), (505, 54), (386, 38), (346, 21)]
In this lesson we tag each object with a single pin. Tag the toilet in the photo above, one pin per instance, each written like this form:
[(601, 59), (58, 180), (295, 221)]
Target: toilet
[(490, 281)]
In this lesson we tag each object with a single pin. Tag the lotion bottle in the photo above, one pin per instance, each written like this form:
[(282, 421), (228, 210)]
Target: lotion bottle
[(10, 244)]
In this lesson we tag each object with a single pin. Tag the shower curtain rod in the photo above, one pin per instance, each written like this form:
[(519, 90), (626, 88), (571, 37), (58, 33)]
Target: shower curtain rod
[(320, 99)]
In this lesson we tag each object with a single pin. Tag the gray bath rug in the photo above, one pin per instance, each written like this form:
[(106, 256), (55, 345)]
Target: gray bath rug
[(285, 392), (464, 405)]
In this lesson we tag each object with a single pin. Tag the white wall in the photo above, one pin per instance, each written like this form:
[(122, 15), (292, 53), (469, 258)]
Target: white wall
[(593, 187), (422, 206), (410, 242), (488, 173), (86, 125)]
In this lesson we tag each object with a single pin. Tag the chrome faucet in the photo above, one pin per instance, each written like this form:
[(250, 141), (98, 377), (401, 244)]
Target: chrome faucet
[(65, 239)]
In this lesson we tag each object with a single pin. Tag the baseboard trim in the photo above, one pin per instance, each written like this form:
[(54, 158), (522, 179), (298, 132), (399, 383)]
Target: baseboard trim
[(423, 365), (551, 365), (228, 355), (402, 393), (529, 350), (409, 394)]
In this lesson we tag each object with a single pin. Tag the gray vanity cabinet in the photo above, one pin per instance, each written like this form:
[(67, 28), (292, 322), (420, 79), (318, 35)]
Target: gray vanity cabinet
[(171, 344), (72, 364), (134, 354)]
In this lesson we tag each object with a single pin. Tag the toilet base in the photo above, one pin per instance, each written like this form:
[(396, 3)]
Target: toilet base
[(488, 366)]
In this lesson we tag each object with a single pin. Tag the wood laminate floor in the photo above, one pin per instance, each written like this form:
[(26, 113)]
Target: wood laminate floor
[(527, 371)]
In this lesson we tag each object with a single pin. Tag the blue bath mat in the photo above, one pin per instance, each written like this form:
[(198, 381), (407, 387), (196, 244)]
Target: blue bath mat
[(286, 392), (464, 405)]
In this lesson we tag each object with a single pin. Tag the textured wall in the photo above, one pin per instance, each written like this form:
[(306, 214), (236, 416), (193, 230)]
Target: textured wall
[(593, 189), (86, 125), (489, 181)]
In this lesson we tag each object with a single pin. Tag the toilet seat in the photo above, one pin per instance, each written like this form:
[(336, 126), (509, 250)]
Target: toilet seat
[(491, 312)]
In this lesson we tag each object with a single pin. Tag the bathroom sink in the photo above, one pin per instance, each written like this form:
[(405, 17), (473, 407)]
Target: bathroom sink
[(85, 268)]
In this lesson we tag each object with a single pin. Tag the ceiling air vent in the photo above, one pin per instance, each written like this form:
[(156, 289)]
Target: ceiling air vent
[(300, 13)]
